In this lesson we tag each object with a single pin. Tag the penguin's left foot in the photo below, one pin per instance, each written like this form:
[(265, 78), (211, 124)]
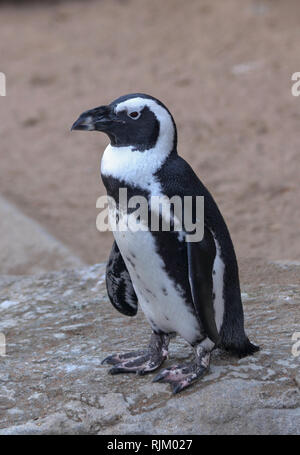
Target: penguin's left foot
[(143, 361), (182, 376)]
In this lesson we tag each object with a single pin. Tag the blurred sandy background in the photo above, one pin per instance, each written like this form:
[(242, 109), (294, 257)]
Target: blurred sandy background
[(222, 67)]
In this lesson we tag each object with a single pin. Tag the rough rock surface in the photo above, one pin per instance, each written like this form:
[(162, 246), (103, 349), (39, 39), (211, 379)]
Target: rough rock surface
[(60, 325)]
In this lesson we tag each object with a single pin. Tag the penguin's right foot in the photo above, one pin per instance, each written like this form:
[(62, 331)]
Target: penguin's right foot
[(182, 376), (143, 361)]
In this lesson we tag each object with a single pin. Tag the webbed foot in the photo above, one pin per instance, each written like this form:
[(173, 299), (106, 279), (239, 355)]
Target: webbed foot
[(182, 376), (143, 361)]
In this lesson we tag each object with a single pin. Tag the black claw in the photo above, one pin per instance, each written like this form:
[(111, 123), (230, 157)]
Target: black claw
[(114, 370), (105, 360), (118, 370), (110, 360), (142, 372), (159, 377), (176, 388)]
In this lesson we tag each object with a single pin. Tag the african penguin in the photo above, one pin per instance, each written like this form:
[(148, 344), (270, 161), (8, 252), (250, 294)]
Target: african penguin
[(190, 288)]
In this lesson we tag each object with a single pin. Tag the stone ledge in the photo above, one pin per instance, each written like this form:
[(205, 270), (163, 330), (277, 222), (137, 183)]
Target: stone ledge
[(27, 248), (60, 325)]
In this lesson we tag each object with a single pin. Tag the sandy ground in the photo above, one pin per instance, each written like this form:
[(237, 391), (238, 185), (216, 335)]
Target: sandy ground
[(224, 70)]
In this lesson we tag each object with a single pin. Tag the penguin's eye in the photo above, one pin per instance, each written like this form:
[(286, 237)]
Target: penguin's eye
[(135, 115)]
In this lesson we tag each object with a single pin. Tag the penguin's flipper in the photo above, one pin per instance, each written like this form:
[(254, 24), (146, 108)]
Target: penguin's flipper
[(201, 256), (118, 284)]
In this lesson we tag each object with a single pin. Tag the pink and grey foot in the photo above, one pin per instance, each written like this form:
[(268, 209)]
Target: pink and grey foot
[(145, 361), (182, 376)]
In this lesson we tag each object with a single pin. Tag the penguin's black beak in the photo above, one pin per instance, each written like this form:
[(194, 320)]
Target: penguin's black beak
[(100, 119)]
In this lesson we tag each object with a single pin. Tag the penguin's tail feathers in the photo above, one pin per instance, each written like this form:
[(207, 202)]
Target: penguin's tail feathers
[(241, 349)]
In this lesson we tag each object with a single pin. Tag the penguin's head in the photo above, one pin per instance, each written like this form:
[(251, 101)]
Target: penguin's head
[(136, 120)]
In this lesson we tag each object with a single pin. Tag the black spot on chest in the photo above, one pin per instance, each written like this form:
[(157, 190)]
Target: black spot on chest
[(130, 262), (164, 291), (150, 292)]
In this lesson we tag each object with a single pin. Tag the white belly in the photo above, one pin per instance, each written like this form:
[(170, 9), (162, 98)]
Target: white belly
[(162, 304)]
